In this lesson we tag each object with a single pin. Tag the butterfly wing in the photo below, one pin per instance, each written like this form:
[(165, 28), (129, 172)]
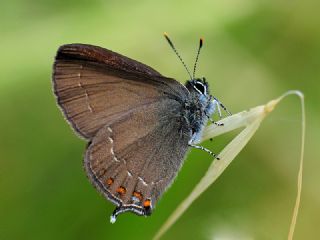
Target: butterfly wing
[(95, 86), (133, 161), (132, 117)]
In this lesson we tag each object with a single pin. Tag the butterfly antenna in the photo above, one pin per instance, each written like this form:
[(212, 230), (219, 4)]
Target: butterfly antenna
[(176, 52), (197, 57)]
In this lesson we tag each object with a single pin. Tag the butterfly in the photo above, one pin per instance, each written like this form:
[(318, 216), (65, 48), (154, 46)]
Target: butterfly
[(138, 123)]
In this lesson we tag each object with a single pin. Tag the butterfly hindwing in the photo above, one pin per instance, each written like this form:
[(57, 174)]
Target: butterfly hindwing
[(132, 170)]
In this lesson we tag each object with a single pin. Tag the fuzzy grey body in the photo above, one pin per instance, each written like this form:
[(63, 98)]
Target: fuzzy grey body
[(198, 108)]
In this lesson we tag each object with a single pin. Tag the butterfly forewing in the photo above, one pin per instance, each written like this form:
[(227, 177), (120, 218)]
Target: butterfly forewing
[(95, 86)]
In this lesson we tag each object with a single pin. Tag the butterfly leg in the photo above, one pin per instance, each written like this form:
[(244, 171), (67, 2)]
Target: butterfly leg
[(213, 122), (204, 149), (216, 105), (219, 104)]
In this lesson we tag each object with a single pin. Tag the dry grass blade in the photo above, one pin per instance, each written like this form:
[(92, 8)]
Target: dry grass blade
[(250, 120), (299, 182)]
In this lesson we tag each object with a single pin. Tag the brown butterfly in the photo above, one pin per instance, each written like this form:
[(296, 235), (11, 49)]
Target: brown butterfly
[(138, 123)]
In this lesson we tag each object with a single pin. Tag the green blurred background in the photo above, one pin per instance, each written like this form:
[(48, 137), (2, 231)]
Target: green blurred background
[(254, 51)]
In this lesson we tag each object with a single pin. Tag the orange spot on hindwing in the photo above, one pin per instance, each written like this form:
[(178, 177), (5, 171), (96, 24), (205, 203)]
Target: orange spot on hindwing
[(147, 207), (121, 190), (137, 195), (147, 203), (109, 181)]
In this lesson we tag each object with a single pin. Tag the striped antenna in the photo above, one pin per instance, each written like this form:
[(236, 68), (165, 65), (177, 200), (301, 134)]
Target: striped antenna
[(197, 57), (176, 52)]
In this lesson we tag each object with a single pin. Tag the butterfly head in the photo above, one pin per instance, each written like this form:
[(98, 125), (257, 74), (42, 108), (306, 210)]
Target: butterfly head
[(198, 86)]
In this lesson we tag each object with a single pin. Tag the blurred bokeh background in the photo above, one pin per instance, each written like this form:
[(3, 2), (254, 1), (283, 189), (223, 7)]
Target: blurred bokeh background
[(254, 51)]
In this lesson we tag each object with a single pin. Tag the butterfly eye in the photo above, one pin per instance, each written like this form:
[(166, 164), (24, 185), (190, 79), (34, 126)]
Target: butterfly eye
[(200, 87)]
